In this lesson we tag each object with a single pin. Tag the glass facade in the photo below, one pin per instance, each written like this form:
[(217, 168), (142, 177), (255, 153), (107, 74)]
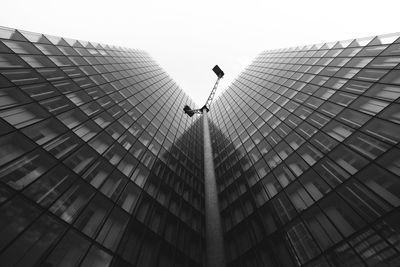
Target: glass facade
[(99, 165), (306, 151)]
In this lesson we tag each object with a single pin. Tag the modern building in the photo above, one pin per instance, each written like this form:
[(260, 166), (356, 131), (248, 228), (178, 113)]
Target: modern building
[(307, 158), (99, 165)]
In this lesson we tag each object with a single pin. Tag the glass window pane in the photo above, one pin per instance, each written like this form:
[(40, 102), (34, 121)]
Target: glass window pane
[(26, 169), (72, 118), (353, 118), (283, 175), (297, 164), (391, 161), (101, 142), (65, 86), (127, 165), (302, 242), (392, 113), (393, 49), (37, 61), (383, 130), (48, 49), (366, 145), (12, 97), (63, 145), (347, 159), (97, 258), (114, 155), (384, 91), (11, 61), (93, 215), (27, 249), (369, 105), (370, 75), (16, 215), (283, 208), (344, 255), (69, 251), (294, 140), (260, 195), (379, 250), (321, 228), (40, 91), (22, 76), (81, 159), (61, 61), (103, 120), (140, 175), (87, 130), (91, 108), (384, 62), (383, 183), (50, 186), (271, 184), (113, 229), (372, 50), (5, 193), (113, 185), (298, 195), (337, 130), (332, 173), (98, 172), (323, 142), (344, 218), (22, 116), (389, 228), (44, 131), (21, 47), (69, 205), (363, 200), (359, 62), (12, 146), (309, 153), (356, 87), (314, 184), (56, 105), (129, 197)]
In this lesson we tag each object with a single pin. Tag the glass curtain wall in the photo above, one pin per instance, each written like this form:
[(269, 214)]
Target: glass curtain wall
[(306, 144), (98, 164)]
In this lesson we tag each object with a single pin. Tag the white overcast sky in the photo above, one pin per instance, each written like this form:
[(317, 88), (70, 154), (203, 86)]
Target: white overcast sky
[(187, 38)]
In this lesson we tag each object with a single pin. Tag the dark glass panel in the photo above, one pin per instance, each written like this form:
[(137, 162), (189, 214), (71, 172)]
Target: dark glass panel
[(40, 91), (342, 216), (10, 97), (22, 116), (16, 215), (12, 146), (69, 205), (302, 242), (383, 183), (44, 131), (391, 161), (50, 186), (93, 215), (26, 169), (97, 257), (69, 251), (27, 249)]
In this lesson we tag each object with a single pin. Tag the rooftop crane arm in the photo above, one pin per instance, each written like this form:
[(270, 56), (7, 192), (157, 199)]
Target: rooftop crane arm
[(207, 105)]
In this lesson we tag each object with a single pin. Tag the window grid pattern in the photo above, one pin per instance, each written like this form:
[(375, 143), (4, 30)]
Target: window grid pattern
[(98, 165), (306, 149)]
